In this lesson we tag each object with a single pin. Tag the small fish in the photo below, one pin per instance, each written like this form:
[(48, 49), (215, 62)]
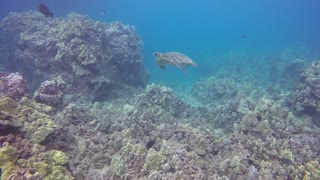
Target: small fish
[(243, 36), (102, 12), (45, 10), (0, 173)]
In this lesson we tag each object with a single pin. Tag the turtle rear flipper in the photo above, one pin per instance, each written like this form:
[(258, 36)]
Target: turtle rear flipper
[(162, 67)]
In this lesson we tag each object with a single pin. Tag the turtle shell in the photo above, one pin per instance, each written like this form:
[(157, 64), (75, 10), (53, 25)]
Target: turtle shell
[(177, 58)]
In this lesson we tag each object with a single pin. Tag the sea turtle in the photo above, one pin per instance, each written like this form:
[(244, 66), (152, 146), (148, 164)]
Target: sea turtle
[(173, 58)]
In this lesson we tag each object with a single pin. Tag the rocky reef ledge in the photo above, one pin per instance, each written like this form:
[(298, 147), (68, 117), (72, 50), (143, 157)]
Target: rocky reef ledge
[(92, 59)]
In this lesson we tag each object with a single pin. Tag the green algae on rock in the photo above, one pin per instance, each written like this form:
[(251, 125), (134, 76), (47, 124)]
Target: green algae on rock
[(8, 157), (313, 170), (118, 166), (58, 157), (154, 160)]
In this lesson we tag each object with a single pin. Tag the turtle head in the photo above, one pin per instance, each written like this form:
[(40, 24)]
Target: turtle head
[(157, 54), (160, 60)]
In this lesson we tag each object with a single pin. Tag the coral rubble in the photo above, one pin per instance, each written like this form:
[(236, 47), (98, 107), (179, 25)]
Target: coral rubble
[(212, 89)]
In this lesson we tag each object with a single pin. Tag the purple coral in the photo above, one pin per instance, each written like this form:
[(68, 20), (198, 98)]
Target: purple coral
[(13, 85)]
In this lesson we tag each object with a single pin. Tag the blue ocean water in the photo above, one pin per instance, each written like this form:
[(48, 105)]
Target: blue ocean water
[(216, 34)]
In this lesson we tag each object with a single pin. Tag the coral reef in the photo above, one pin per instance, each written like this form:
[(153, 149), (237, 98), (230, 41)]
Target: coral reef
[(13, 85), (236, 131), (307, 95), (93, 58), (153, 136)]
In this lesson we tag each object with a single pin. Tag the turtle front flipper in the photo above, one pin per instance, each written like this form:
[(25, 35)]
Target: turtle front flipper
[(161, 64)]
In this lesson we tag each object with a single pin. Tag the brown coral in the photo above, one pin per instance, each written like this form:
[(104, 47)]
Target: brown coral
[(50, 92)]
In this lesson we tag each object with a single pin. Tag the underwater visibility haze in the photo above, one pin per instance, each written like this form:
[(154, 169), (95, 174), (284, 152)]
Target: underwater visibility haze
[(146, 89)]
